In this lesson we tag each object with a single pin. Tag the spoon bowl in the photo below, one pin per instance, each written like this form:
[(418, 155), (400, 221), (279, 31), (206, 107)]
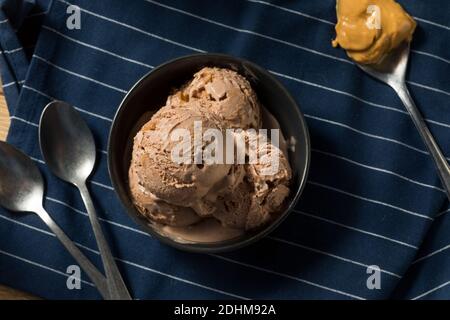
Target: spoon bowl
[(66, 142), (21, 183)]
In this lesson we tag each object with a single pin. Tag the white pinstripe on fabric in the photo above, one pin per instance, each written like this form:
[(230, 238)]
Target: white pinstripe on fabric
[(356, 229), (181, 279), (370, 135), (431, 291), (133, 28), (431, 55), (294, 12), (102, 185), (432, 254), (290, 277), (42, 266), (352, 261), (429, 88), (9, 84), (353, 96), (6, 85), (101, 219), (97, 48), (442, 213), (79, 75), (12, 50), (356, 196), (377, 169), (78, 108), (37, 160), (42, 231), (24, 121), (432, 23)]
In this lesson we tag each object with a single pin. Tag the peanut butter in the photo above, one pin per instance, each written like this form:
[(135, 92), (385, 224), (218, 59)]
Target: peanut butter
[(370, 29)]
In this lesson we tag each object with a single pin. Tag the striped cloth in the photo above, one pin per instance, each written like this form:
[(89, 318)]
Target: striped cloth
[(372, 197)]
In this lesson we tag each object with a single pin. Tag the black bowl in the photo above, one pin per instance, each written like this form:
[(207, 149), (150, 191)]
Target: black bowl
[(150, 93)]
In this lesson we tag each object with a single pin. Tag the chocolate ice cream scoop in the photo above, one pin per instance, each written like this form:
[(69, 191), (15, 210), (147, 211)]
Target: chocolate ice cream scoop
[(184, 194), (154, 158), (224, 93), (156, 209), (260, 192)]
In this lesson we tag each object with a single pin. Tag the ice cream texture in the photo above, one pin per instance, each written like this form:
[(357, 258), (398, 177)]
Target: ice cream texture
[(369, 29), (223, 93), (238, 196)]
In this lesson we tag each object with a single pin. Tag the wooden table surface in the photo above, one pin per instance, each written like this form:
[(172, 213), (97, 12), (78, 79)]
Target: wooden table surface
[(4, 116), (5, 292)]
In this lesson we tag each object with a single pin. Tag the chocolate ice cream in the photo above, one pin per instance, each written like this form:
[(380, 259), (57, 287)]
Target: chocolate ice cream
[(225, 94), (237, 196)]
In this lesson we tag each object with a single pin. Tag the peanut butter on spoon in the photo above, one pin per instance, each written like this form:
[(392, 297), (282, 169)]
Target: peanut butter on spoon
[(369, 29)]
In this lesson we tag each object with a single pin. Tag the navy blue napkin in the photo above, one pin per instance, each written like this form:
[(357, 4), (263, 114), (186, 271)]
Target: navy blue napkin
[(372, 198)]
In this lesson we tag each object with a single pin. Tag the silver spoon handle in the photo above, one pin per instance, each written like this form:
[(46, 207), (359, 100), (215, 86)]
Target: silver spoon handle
[(439, 159), (116, 285), (97, 278)]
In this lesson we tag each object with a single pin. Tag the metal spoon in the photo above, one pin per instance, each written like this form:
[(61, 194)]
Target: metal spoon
[(22, 189), (391, 71), (69, 150)]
